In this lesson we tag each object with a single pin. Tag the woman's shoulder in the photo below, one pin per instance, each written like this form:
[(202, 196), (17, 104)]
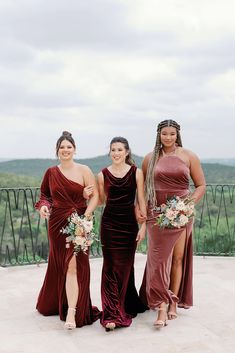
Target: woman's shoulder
[(102, 172), (148, 156), (145, 161), (83, 168), (187, 152), (138, 172), (51, 169)]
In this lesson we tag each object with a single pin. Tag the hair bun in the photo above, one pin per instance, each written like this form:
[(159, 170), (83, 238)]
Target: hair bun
[(66, 133)]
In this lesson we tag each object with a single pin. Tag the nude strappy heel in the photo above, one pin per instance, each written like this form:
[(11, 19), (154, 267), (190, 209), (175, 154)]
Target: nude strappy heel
[(172, 314), (160, 323), (70, 325)]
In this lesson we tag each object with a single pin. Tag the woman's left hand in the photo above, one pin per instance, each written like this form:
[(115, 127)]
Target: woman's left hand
[(88, 191), (140, 236), (141, 218)]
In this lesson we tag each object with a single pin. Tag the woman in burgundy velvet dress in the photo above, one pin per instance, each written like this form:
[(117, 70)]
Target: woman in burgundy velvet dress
[(65, 290), (118, 185), (168, 276)]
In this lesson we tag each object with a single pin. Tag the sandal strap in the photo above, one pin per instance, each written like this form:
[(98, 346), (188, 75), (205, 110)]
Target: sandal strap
[(172, 313)]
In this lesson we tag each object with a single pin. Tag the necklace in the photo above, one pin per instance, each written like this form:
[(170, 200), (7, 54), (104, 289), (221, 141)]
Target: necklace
[(169, 153), (119, 172)]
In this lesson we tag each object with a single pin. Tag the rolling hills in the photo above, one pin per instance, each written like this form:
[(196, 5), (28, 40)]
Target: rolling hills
[(29, 172)]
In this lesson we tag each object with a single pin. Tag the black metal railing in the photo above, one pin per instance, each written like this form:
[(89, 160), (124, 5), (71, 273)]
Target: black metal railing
[(23, 235)]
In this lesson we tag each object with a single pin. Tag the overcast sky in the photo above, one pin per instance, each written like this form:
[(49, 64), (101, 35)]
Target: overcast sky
[(102, 68)]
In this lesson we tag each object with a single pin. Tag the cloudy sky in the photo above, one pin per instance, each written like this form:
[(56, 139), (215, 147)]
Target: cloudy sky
[(102, 68)]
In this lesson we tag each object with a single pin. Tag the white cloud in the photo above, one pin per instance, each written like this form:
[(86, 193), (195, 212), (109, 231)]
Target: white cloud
[(103, 68)]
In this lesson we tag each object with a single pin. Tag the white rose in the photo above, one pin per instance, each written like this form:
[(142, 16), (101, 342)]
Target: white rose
[(88, 225), (183, 220), (79, 240), (180, 206)]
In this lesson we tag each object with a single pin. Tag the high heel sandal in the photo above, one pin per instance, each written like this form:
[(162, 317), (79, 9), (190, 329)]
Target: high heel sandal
[(70, 325), (110, 326), (160, 323), (172, 315)]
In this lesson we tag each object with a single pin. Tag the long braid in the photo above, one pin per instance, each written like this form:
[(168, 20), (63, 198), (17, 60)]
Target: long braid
[(149, 181)]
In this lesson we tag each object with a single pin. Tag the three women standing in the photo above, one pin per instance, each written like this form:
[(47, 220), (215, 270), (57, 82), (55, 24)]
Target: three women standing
[(119, 185), (168, 275)]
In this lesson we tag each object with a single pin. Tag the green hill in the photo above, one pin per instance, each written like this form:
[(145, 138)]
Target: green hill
[(10, 180), (37, 167), (25, 172), (224, 161), (219, 174)]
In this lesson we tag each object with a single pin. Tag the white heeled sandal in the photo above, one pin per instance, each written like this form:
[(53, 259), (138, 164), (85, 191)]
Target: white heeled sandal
[(70, 325), (160, 323)]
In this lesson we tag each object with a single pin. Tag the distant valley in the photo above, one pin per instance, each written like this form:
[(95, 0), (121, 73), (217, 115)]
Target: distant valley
[(29, 172)]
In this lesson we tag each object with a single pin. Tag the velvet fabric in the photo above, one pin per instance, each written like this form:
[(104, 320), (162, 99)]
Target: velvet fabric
[(171, 178), (63, 196), (120, 300)]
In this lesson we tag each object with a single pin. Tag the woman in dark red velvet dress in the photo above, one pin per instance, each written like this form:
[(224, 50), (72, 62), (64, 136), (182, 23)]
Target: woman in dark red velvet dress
[(118, 186), (65, 290), (168, 275)]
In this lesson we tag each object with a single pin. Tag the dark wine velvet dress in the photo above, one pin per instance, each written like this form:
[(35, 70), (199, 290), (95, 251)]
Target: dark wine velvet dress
[(119, 228), (63, 196)]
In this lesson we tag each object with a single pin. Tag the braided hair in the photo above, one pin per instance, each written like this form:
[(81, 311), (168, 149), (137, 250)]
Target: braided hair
[(149, 182)]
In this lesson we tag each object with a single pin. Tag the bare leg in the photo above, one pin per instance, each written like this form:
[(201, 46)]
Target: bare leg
[(176, 272), (161, 317), (72, 290)]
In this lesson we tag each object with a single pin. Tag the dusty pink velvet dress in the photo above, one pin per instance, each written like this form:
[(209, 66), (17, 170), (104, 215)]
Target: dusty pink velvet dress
[(171, 178)]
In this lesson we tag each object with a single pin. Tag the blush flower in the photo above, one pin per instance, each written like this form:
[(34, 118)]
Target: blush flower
[(80, 231), (176, 212)]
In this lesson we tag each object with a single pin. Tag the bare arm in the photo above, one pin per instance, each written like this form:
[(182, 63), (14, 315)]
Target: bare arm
[(197, 176), (145, 164), (101, 188), (140, 191), (89, 179), (141, 205), (141, 217)]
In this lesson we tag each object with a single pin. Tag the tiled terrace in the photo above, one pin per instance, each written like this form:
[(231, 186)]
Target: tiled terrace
[(209, 327)]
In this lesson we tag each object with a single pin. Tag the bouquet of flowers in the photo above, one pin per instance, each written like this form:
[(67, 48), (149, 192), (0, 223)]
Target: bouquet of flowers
[(80, 232), (176, 212)]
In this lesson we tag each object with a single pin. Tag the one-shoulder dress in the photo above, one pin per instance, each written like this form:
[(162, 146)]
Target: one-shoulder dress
[(171, 178), (119, 228), (63, 196)]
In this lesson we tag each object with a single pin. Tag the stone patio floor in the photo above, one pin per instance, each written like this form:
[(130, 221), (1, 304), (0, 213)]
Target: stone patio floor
[(208, 327)]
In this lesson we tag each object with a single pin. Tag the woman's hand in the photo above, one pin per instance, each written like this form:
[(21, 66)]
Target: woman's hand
[(141, 234), (44, 212), (88, 191), (141, 218)]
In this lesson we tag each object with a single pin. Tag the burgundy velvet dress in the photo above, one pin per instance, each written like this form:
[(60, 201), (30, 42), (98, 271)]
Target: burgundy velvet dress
[(119, 228), (63, 196), (171, 178)]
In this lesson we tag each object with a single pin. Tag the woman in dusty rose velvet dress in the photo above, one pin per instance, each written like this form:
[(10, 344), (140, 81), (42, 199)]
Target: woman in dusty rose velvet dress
[(168, 276), (65, 291), (118, 185)]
